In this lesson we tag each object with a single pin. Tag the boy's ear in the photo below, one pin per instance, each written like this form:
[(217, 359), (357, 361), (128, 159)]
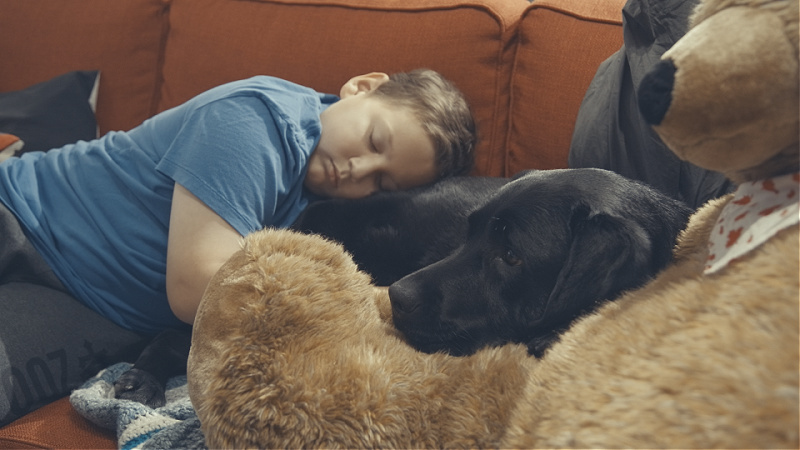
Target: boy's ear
[(363, 83)]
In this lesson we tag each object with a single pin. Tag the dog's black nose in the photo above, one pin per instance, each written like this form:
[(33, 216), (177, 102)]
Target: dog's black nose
[(404, 300), (655, 92)]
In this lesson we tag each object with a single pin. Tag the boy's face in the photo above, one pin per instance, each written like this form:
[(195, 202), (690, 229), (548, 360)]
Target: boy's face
[(367, 145)]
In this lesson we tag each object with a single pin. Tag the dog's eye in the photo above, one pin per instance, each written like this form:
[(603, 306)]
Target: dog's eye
[(498, 225), (510, 258)]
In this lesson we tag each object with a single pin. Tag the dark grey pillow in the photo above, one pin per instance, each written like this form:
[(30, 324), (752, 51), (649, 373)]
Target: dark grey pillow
[(53, 113)]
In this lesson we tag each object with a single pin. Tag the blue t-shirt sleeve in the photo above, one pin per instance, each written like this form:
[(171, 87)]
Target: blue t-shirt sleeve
[(230, 154)]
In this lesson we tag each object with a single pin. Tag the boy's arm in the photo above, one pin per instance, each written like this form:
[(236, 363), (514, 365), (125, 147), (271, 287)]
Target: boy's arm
[(200, 241)]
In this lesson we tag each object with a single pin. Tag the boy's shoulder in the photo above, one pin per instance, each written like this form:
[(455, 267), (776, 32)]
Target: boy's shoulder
[(279, 95), (269, 85)]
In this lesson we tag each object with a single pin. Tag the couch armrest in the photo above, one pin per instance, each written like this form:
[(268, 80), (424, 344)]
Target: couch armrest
[(56, 425)]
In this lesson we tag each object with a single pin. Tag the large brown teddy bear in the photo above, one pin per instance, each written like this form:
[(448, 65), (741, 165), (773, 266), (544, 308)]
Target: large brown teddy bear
[(293, 347), (707, 354)]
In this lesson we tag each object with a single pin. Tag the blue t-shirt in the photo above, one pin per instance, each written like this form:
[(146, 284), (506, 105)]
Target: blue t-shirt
[(98, 211)]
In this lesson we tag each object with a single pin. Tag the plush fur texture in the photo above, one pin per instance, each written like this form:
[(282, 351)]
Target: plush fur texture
[(689, 361), (292, 346), (696, 360)]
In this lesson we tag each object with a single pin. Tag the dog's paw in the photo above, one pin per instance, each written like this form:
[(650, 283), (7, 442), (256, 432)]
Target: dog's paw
[(140, 386)]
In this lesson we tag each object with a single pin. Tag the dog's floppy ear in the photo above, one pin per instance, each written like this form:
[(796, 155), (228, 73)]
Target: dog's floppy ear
[(607, 255)]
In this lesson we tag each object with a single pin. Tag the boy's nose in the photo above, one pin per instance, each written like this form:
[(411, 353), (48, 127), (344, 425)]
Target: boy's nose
[(364, 166)]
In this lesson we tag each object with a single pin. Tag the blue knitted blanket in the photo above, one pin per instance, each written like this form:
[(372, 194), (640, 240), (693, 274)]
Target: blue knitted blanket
[(174, 425)]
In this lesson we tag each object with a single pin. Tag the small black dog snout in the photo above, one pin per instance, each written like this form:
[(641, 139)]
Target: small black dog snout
[(403, 301), (655, 92)]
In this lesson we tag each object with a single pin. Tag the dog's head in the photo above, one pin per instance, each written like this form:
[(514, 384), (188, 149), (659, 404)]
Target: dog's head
[(549, 247)]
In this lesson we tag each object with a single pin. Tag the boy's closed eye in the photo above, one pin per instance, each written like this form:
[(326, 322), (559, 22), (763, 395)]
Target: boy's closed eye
[(372, 144)]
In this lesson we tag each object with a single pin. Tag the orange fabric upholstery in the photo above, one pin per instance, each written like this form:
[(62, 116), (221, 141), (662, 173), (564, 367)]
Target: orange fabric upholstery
[(123, 39), (56, 425), (561, 44)]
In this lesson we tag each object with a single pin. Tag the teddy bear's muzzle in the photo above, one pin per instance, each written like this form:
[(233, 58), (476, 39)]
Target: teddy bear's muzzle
[(655, 92)]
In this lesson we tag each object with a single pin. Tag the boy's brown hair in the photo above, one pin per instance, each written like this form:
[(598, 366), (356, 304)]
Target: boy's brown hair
[(443, 112)]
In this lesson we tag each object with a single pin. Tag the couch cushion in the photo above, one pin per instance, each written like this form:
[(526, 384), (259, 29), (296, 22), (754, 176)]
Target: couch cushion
[(121, 38), (52, 113), (574, 37), (322, 43)]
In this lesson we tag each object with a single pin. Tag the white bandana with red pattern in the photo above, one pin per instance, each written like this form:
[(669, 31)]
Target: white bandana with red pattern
[(758, 210)]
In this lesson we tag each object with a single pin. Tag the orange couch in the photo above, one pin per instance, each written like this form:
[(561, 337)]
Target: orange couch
[(523, 66)]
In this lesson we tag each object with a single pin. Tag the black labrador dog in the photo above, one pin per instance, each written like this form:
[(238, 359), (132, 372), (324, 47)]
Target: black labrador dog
[(531, 255), (549, 247), (392, 234)]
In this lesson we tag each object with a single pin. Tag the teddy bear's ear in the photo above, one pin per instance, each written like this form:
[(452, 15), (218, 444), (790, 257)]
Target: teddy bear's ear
[(725, 96)]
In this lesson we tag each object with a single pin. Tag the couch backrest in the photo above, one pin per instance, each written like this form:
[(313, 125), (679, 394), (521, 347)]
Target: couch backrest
[(561, 44), (322, 43), (124, 39), (524, 67)]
